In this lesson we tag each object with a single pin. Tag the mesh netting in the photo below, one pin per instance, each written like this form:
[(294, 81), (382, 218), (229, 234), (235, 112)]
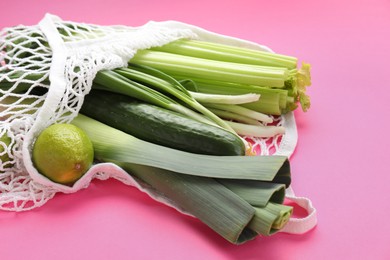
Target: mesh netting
[(46, 70)]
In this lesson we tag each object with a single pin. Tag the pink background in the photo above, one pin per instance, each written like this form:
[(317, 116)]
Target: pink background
[(341, 162)]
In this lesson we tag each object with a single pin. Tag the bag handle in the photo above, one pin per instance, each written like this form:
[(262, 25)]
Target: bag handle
[(300, 225)]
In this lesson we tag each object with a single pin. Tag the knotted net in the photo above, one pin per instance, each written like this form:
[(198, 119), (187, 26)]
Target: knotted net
[(47, 69)]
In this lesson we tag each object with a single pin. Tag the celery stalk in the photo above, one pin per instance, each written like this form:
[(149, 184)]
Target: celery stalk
[(211, 69), (222, 52), (200, 53)]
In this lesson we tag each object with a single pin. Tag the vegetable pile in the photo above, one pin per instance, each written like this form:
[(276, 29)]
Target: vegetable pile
[(176, 119)]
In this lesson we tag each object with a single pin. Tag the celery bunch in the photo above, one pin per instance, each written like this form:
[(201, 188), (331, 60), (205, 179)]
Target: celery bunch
[(222, 69)]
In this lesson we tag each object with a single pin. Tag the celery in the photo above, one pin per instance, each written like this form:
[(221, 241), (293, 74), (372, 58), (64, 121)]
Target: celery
[(207, 63), (212, 69), (221, 52)]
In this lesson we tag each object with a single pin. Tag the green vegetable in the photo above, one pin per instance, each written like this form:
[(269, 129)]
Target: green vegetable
[(225, 99), (160, 126), (256, 130), (6, 156), (187, 66), (153, 86), (237, 196), (221, 52), (204, 198), (214, 66), (214, 193), (111, 144), (272, 101), (256, 193), (270, 218), (239, 110), (112, 81)]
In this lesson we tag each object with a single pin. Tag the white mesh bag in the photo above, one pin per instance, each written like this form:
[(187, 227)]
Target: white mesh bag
[(68, 55)]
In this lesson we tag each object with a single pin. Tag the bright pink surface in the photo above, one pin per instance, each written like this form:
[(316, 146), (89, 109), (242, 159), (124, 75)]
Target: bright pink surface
[(341, 162)]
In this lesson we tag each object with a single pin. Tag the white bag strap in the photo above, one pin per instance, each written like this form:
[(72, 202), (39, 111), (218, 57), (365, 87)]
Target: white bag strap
[(287, 147), (300, 225)]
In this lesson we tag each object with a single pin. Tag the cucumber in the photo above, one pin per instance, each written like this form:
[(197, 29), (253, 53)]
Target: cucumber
[(160, 126)]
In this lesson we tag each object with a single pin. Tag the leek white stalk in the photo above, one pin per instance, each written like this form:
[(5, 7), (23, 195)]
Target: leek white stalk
[(242, 111), (225, 99), (257, 130)]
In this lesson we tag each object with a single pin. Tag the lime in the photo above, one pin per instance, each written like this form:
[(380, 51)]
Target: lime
[(63, 153), (5, 160)]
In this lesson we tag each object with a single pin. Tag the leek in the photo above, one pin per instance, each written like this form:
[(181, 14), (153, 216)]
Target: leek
[(111, 144), (233, 116), (257, 130), (272, 101), (270, 219), (220, 193), (204, 198), (168, 85), (112, 81), (242, 111), (256, 193), (225, 99)]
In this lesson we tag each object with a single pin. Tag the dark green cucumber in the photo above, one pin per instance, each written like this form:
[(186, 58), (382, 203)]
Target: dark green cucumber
[(160, 126)]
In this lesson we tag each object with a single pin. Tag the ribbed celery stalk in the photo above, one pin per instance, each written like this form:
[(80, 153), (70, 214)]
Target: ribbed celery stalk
[(222, 52), (212, 69), (192, 59)]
